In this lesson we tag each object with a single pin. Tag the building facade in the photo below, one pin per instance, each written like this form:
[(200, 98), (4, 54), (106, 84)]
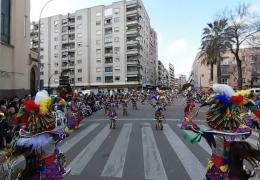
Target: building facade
[(104, 47), (163, 76), (171, 76), (18, 70), (182, 80), (250, 70)]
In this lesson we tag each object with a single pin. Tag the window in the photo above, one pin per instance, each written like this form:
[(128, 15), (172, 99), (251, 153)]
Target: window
[(116, 20), (79, 44), (42, 25), (98, 78), (56, 38), (98, 69), (108, 69), (41, 56), (79, 79), (79, 61), (116, 39), (116, 29), (108, 12), (117, 68), (116, 10), (25, 25), (224, 81), (117, 59), (98, 14), (79, 35), (243, 69), (56, 72), (98, 41), (56, 23), (98, 32), (98, 51), (117, 50), (108, 40), (41, 73), (64, 29), (56, 64), (5, 21), (56, 30), (79, 26), (79, 70), (79, 52), (56, 55), (79, 18), (56, 47), (117, 78), (98, 60), (243, 80), (64, 37), (41, 41), (98, 23)]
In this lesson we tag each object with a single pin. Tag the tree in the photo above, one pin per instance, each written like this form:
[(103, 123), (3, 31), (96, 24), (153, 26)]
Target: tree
[(187, 85), (243, 28), (212, 45)]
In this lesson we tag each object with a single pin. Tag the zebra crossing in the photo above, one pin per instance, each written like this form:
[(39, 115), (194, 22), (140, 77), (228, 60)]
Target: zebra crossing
[(135, 151)]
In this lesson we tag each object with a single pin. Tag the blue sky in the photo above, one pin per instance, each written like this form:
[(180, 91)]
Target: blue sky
[(178, 23)]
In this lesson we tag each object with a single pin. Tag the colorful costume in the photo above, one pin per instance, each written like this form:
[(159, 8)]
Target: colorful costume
[(32, 138), (228, 131)]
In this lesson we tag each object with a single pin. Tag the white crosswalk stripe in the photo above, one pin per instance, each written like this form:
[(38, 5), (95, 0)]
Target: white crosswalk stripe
[(156, 164)]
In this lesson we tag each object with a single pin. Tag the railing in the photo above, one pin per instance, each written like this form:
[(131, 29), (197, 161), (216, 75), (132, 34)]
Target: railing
[(108, 80), (108, 32), (107, 24)]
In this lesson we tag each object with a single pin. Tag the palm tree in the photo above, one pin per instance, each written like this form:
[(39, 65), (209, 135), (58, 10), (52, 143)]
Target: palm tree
[(212, 45)]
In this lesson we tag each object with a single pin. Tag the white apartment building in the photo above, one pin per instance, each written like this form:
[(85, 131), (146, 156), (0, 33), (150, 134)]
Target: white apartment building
[(105, 47), (171, 76), (182, 80), (18, 70)]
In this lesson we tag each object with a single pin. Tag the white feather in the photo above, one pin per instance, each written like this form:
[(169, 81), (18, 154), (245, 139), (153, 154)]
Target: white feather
[(35, 142), (40, 96), (223, 88)]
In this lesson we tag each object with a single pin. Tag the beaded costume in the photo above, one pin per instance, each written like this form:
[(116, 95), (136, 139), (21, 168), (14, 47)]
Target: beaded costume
[(226, 135), (32, 137)]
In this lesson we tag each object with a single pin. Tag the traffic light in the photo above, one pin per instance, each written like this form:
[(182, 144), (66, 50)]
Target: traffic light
[(64, 80)]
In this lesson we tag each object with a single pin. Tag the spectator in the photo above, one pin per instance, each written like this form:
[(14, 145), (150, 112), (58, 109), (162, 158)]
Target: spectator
[(4, 130)]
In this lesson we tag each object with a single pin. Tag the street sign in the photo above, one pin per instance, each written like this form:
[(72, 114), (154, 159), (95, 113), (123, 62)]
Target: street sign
[(144, 85), (64, 80)]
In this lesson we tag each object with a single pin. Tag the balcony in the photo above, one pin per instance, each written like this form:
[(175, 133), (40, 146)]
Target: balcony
[(256, 83), (108, 22), (133, 51), (109, 79), (108, 51), (72, 30), (108, 31), (133, 21), (108, 60)]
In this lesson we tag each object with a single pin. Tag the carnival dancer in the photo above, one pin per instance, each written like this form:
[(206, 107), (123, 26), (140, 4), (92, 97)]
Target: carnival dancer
[(231, 132), (159, 116), (112, 115), (32, 137), (124, 104)]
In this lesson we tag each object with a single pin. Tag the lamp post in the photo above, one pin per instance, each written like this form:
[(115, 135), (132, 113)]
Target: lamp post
[(39, 47), (200, 80), (75, 66), (49, 82)]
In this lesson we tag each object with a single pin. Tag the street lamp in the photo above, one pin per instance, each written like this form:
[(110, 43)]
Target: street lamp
[(39, 47), (200, 80), (49, 82)]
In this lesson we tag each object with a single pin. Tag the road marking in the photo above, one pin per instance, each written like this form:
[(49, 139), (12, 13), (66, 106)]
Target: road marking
[(81, 161), (116, 161), (203, 143), (153, 165), (193, 167), (140, 119), (71, 142)]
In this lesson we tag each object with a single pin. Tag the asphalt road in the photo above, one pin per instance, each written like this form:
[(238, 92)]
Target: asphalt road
[(135, 151)]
